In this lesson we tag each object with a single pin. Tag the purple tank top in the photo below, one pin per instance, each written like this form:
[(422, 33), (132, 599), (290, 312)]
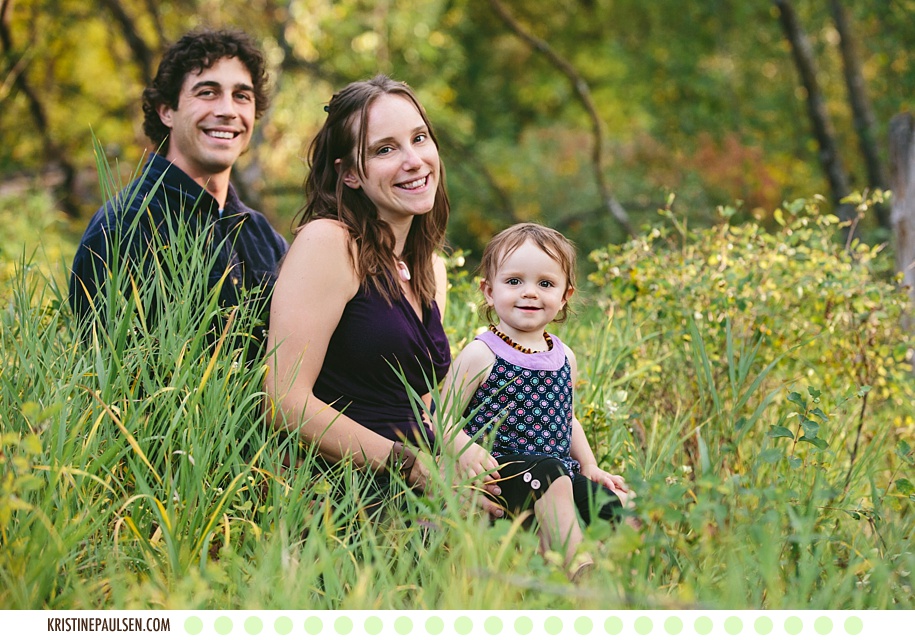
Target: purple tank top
[(375, 347)]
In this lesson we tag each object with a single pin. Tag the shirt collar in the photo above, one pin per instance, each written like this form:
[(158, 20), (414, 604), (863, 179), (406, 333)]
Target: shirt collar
[(188, 188)]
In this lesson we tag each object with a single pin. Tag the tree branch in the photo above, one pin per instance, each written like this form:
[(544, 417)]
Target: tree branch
[(610, 204), (469, 154), (152, 7), (53, 153), (142, 54)]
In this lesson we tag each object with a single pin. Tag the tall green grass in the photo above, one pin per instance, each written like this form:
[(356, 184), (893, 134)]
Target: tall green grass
[(136, 469)]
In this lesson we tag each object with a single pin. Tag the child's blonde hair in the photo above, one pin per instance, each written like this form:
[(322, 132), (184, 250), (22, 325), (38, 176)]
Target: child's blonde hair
[(553, 243)]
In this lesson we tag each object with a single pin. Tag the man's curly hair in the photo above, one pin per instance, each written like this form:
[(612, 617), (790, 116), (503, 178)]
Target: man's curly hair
[(195, 51)]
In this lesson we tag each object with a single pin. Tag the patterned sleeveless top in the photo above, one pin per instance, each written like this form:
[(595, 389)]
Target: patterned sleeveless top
[(527, 400)]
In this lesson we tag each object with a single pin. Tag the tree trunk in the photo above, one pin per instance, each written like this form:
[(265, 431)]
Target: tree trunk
[(816, 108), (864, 119), (53, 153), (902, 215), (608, 201)]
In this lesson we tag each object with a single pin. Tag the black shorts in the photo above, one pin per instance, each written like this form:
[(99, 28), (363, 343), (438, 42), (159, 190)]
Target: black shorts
[(525, 478)]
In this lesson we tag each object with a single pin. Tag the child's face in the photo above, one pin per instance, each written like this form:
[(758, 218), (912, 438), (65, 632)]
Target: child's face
[(527, 291)]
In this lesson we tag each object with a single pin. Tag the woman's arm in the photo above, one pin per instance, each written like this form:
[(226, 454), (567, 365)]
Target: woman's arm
[(317, 280)]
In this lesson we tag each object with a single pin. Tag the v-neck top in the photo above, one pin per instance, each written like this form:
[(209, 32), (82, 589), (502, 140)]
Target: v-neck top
[(527, 401), (376, 351)]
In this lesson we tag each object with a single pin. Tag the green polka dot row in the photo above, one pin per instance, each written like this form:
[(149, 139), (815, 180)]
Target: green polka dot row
[(493, 625)]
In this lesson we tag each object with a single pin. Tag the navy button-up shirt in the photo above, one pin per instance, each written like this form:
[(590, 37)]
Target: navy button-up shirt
[(140, 220)]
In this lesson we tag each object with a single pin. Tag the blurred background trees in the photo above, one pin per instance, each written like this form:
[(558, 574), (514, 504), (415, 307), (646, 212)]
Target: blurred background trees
[(550, 111)]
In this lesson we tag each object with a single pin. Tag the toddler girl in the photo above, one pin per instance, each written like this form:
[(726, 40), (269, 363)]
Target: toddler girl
[(516, 380)]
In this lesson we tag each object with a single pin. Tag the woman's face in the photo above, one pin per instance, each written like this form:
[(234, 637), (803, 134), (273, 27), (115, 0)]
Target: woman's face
[(401, 161)]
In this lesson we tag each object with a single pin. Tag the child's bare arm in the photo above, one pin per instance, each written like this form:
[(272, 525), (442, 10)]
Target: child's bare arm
[(469, 370)]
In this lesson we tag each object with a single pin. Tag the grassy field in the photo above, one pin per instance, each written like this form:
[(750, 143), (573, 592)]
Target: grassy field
[(751, 384)]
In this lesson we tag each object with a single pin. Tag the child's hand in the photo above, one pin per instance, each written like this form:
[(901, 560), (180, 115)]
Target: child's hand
[(616, 484), (477, 464)]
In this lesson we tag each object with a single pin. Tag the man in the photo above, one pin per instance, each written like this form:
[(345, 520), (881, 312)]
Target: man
[(199, 112)]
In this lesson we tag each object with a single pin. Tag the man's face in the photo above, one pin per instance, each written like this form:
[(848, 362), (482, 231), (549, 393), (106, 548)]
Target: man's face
[(214, 120)]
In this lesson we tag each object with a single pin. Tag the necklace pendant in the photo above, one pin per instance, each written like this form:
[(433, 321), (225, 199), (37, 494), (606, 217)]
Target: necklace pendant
[(403, 270)]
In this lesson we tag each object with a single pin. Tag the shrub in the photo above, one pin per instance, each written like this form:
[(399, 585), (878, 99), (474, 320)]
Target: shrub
[(773, 400), (825, 317)]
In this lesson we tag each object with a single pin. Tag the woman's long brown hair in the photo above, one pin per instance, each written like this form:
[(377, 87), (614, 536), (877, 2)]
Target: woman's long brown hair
[(343, 137)]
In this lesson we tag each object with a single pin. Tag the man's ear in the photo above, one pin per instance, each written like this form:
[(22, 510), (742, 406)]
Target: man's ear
[(350, 179), (165, 114)]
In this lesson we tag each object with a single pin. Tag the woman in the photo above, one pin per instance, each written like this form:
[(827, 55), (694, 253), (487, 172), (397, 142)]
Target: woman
[(358, 302)]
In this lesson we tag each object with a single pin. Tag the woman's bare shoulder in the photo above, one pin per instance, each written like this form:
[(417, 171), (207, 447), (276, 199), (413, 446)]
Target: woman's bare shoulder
[(320, 260), (324, 229), (321, 239)]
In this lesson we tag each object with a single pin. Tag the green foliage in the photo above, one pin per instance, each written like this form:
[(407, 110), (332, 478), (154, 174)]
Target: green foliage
[(34, 234), (700, 105), (138, 470), (733, 322), (794, 289)]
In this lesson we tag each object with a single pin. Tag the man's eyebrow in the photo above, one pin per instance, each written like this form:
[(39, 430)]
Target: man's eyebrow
[(216, 85), (205, 83)]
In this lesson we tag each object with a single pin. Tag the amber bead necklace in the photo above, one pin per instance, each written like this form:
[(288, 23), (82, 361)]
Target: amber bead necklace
[(515, 345)]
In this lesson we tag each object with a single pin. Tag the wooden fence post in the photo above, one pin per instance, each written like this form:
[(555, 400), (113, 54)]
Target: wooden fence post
[(902, 215)]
